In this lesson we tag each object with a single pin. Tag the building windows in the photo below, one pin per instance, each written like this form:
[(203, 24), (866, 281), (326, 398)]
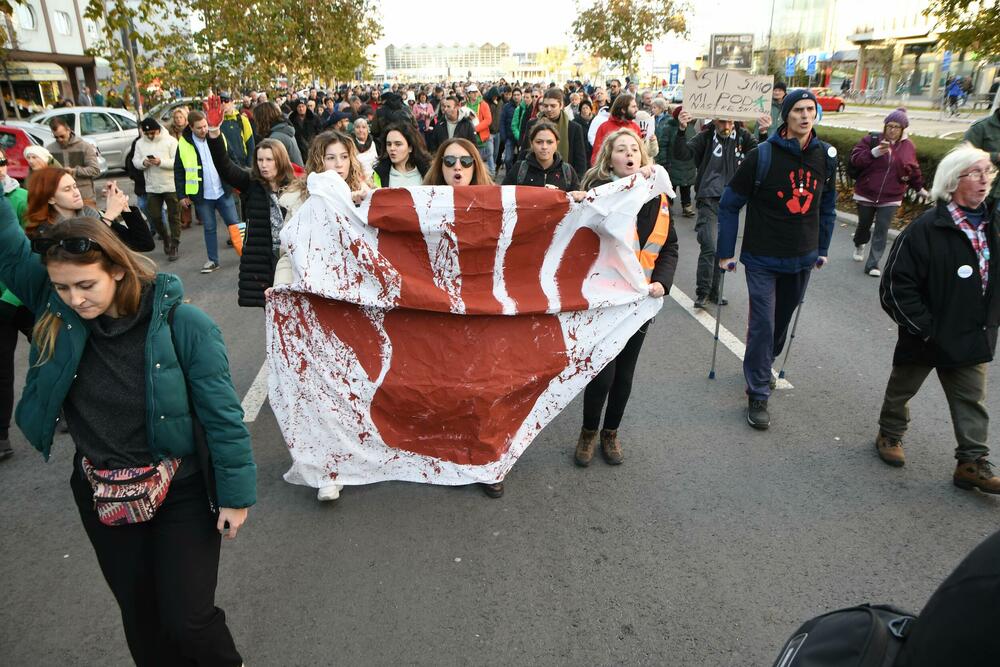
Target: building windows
[(26, 17), (61, 23)]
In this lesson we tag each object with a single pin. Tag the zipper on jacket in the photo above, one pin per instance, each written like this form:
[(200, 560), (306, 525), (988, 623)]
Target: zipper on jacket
[(884, 179)]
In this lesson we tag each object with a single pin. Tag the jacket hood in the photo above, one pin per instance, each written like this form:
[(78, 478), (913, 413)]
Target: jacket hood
[(392, 101), (283, 127), (555, 166), (9, 185)]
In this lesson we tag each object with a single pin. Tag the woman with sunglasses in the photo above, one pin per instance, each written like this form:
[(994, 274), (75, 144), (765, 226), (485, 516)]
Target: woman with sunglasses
[(330, 151), (54, 197), (457, 163), (137, 371), (14, 317)]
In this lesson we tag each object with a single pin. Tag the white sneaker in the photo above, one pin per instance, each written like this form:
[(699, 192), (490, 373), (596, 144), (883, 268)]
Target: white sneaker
[(209, 266), (875, 273), (859, 252), (330, 492)]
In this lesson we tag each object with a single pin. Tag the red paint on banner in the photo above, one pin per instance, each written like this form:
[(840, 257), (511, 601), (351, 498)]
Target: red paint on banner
[(478, 221), (539, 210), (575, 266), (352, 326)]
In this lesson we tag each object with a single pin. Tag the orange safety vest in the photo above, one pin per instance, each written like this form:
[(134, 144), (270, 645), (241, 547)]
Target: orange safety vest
[(648, 253)]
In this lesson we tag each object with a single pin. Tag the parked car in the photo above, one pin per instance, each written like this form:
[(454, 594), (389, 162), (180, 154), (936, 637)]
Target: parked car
[(111, 130), (16, 135), (829, 100), (674, 94), (163, 111)]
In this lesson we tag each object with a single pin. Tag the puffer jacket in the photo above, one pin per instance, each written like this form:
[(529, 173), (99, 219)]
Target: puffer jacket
[(198, 360), (884, 179), (282, 131)]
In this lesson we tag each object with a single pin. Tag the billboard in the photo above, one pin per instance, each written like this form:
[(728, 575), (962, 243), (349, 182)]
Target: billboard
[(731, 51)]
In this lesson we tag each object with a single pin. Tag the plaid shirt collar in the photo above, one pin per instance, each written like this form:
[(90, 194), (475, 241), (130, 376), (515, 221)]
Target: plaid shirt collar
[(978, 237)]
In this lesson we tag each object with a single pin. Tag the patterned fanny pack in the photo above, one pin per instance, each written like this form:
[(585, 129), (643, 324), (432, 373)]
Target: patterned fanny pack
[(129, 495)]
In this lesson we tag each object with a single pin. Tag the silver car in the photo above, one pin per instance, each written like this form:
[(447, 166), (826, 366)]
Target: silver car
[(111, 130)]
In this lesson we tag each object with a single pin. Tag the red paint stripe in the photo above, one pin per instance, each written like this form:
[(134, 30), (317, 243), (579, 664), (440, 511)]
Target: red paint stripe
[(478, 221), (539, 211), (576, 264)]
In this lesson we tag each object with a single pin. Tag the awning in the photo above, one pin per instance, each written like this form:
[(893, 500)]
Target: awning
[(25, 71)]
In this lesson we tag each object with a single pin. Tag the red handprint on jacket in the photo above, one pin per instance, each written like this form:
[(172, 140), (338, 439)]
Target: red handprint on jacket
[(803, 190)]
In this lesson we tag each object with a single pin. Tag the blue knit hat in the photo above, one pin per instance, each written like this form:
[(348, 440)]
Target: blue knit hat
[(795, 96), (898, 116)]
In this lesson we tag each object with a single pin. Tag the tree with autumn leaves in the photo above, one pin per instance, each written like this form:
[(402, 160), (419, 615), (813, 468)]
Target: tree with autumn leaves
[(616, 29), (241, 44)]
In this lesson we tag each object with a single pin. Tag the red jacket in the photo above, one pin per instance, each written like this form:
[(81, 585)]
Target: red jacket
[(612, 124), (884, 179)]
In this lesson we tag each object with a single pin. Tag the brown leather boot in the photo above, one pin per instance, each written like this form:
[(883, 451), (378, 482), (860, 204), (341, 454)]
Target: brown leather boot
[(611, 447), (976, 474), (890, 450), (585, 447)]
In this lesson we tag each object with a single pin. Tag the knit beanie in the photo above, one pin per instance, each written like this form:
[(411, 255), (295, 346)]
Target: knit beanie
[(793, 98), (898, 116)]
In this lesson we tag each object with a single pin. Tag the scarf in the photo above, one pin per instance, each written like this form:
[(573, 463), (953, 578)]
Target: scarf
[(362, 148), (563, 126), (277, 222)]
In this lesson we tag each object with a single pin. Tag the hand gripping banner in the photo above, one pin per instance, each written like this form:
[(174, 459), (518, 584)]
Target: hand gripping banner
[(431, 333)]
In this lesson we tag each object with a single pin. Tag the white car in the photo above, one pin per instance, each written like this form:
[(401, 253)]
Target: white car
[(111, 130), (674, 93), (42, 135)]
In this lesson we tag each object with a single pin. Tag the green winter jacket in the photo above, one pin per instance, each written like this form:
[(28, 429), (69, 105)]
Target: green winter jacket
[(200, 355), (682, 172), (18, 198), (515, 123), (985, 134)]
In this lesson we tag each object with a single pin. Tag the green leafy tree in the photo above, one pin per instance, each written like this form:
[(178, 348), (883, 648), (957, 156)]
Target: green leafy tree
[(615, 29), (968, 25)]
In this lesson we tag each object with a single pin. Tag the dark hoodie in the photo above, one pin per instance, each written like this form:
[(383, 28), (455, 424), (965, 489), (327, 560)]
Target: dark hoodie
[(282, 131), (306, 128), (539, 177)]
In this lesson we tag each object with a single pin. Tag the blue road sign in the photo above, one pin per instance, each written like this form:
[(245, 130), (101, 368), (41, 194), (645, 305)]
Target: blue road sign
[(790, 66), (946, 61), (811, 65), (675, 74)]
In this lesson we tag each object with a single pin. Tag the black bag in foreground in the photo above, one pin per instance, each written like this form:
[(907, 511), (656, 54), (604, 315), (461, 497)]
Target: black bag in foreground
[(863, 636)]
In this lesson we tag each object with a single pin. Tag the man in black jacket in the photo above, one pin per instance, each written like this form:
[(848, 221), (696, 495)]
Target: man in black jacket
[(939, 287), (717, 150), (572, 145), (451, 123), (306, 124)]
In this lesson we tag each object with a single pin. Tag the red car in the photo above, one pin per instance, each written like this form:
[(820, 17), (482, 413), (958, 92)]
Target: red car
[(13, 141), (828, 100)]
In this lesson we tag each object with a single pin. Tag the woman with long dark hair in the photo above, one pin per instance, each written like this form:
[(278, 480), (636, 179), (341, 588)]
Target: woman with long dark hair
[(406, 160), (271, 123), (142, 376)]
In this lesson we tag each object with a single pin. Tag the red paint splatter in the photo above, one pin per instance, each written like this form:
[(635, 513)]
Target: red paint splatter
[(532, 237)]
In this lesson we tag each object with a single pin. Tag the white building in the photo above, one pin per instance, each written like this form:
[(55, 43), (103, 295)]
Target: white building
[(434, 62)]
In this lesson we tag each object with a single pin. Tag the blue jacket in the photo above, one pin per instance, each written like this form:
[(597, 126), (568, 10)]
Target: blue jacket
[(506, 117), (199, 360), (732, 202)]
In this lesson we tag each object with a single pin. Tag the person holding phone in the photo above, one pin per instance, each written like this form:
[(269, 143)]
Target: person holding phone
[(143, 378)]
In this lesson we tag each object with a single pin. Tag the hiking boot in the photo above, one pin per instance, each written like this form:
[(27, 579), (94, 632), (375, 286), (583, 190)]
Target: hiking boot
[(493, 490), (699, 301), (172, 253), (859, 252), (585, 447), (757, 415), (611, 447), (890, 450), (688, 211), (714, 298), (976, 474)]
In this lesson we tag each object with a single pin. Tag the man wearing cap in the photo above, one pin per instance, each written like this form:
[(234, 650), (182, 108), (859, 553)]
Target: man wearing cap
[(239, 133), (790, 202), (717, 151), (154, 155), (340, 121), (482, 119)]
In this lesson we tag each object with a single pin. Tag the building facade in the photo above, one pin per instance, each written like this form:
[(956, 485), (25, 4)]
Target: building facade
[(440, 61)]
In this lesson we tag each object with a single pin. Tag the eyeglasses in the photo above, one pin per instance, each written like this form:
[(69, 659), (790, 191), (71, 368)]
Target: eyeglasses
[(452, 160), (981, 174), (74, 245)]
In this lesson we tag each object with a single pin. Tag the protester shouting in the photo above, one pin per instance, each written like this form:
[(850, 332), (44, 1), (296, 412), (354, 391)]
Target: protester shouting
[(622, 155), (543, 166), (939, 288), (136, 369), (457, 162), (405, 162), (789, 224), (887, 165)]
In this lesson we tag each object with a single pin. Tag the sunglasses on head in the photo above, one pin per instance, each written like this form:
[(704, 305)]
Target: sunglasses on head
[(74, 245), (452, 160)]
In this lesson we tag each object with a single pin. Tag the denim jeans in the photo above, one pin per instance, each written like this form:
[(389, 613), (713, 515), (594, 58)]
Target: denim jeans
[(206, 209), (486, 152)]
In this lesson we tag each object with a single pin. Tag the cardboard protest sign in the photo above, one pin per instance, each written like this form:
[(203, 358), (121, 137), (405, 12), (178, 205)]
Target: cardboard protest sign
[(431, 333), (727, 94)]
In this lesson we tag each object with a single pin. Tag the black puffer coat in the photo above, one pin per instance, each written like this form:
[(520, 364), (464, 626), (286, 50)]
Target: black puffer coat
[(258, 260), (932, 289)]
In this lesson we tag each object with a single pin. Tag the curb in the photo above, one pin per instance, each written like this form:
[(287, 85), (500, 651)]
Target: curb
[(851, 219)]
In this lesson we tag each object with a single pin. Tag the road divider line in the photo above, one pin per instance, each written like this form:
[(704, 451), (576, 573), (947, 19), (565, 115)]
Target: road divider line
[(255, 396), (726, 337)]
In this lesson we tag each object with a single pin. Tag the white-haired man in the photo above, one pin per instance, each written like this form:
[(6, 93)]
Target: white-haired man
[(939, 288)]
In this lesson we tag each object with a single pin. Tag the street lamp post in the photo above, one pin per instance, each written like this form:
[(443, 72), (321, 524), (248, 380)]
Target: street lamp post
[(770, 27)]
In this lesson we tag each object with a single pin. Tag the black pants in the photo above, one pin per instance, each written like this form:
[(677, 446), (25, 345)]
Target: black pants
[(614, 385), (13, 320), (685, 191), (163, 574)]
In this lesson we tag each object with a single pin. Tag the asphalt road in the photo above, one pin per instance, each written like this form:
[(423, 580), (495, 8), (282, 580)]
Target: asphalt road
[(922, 122), (707, 547)]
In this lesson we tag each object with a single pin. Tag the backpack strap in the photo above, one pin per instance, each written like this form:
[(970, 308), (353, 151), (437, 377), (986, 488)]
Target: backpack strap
[(763, 164), (522, 172), (566, 169)]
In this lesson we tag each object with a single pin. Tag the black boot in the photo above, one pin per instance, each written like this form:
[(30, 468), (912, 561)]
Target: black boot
[(757, 415)]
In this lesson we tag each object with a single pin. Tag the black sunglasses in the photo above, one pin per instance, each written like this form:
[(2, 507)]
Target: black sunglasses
[(451, 160), (3, 162), (74, 245)]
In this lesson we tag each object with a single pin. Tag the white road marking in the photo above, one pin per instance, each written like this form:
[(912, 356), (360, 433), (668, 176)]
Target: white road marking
[(256, 395), (726, 337)]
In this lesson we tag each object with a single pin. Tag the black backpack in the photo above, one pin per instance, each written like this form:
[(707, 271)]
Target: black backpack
[(869, 635)]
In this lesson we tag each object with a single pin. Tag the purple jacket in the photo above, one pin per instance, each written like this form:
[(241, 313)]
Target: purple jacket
[(884, 179)]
